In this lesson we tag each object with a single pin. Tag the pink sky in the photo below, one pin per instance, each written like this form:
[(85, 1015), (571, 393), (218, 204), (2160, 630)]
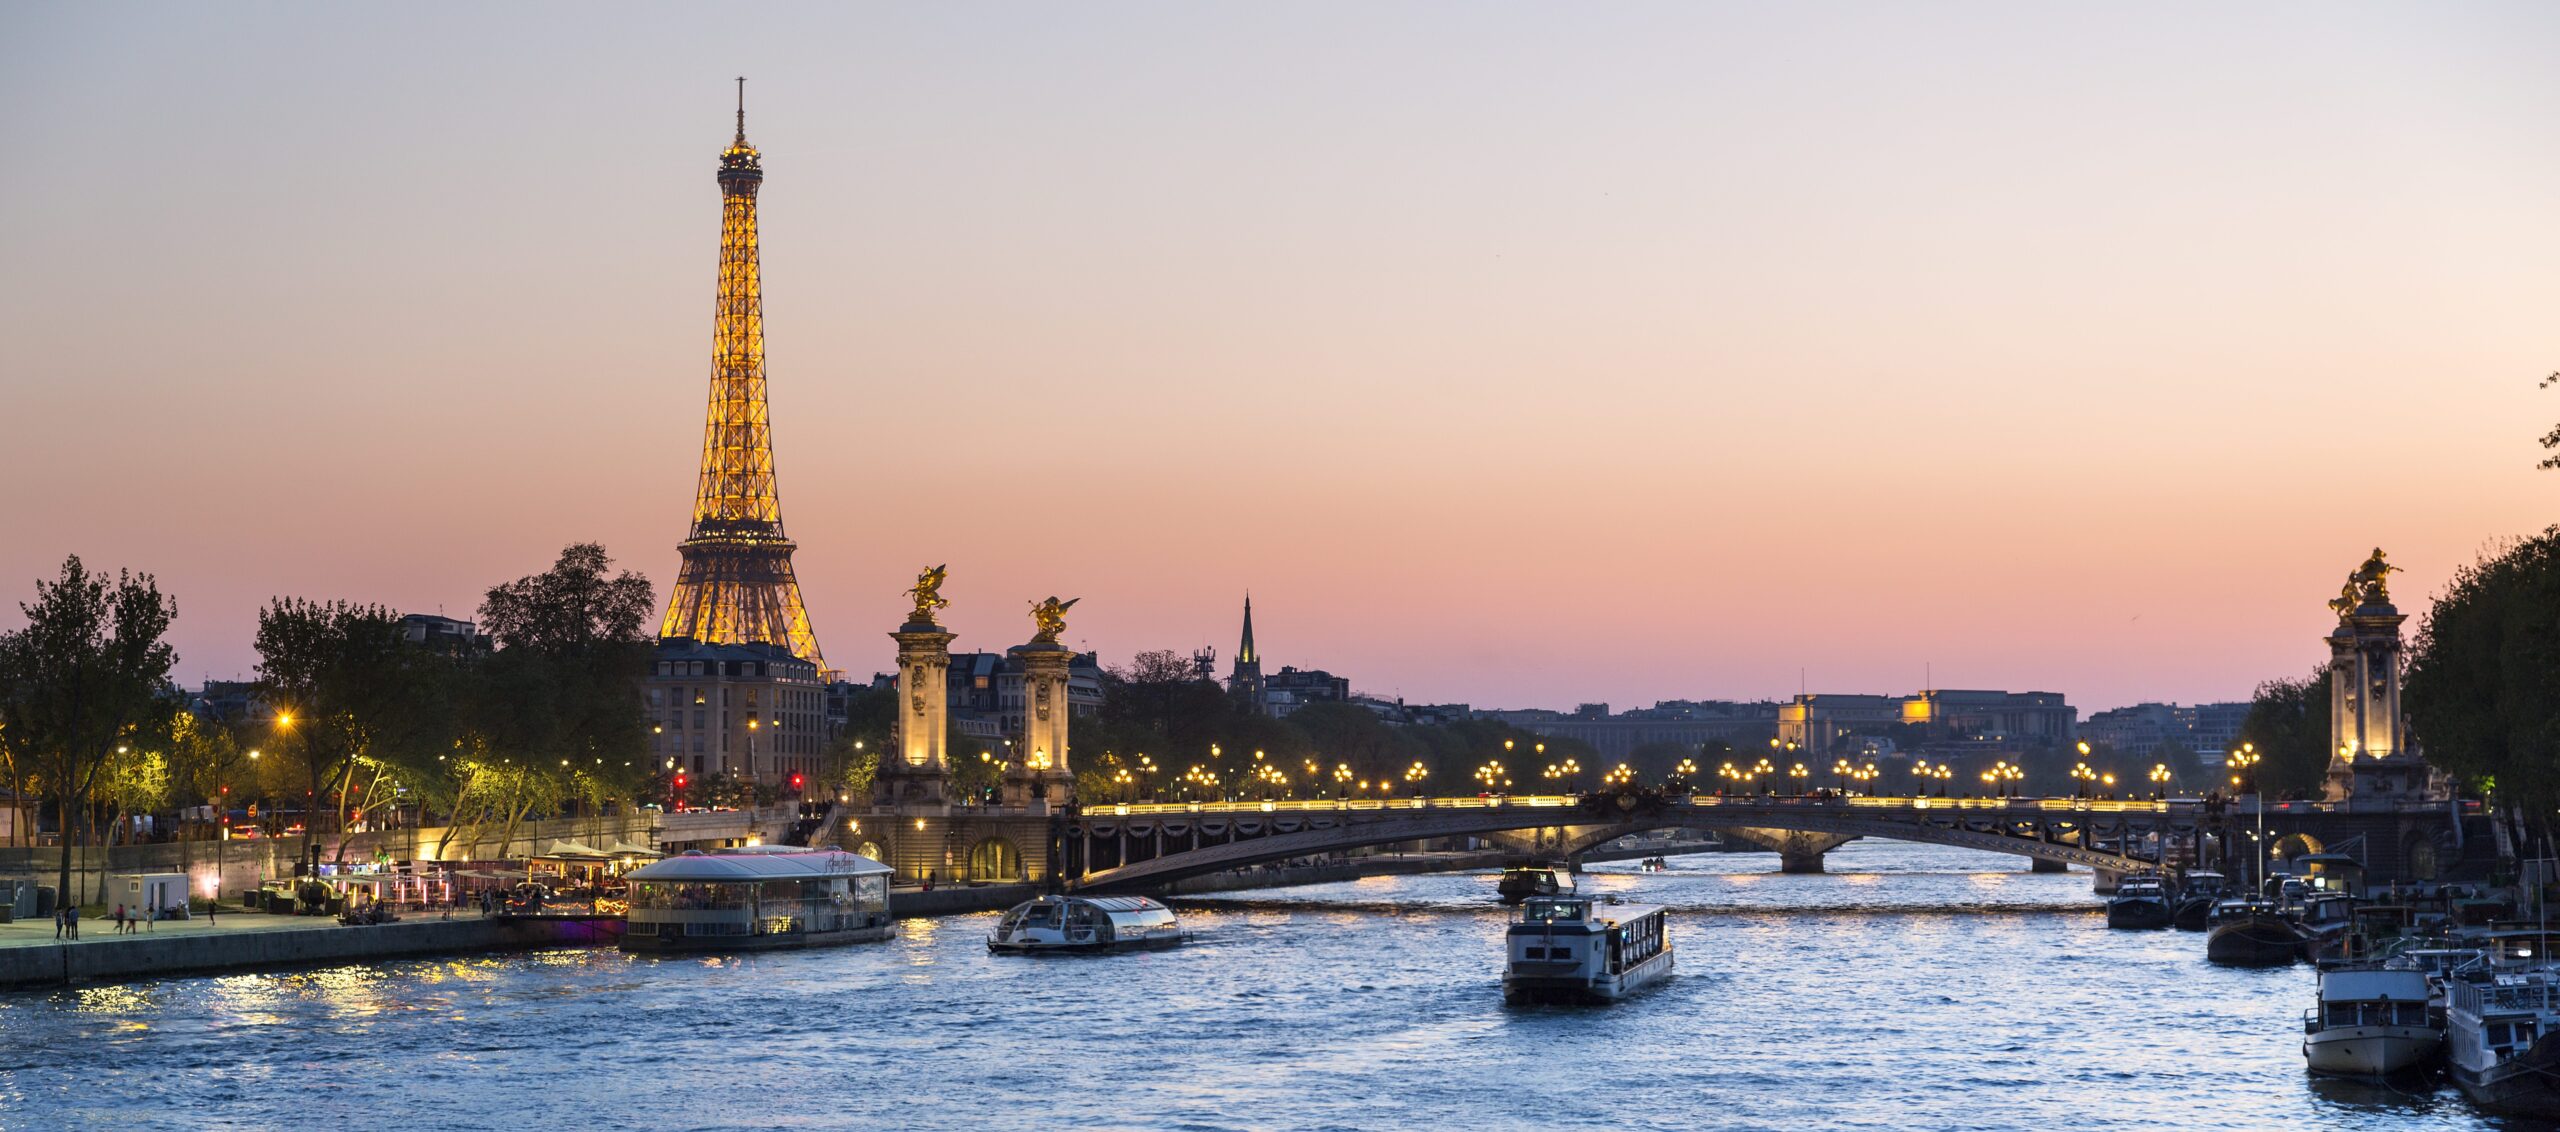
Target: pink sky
[(1517, 355)]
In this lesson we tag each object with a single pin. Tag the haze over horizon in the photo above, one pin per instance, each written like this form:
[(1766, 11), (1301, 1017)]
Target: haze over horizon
[(1543, 356)]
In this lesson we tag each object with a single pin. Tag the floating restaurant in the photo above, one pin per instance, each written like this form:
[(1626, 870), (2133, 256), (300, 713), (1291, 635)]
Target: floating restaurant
[(743, 900)]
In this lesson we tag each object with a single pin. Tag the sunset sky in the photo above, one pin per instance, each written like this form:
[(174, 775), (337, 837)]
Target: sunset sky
[(1517, 355)]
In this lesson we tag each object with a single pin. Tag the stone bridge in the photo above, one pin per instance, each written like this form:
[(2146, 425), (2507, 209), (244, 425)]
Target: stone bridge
[(1143, 846)]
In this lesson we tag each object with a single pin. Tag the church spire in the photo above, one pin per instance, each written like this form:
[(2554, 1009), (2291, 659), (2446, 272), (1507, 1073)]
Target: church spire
[(1246, 681)]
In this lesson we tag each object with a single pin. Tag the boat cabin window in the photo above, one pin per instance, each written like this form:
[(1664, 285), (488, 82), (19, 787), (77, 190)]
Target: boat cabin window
[(1554, 911)]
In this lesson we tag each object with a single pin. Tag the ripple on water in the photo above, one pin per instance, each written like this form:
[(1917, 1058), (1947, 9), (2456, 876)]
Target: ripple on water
[(1916, 987)]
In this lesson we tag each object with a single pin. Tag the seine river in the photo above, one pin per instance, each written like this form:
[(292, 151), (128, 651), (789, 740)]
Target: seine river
[(1912, 988)]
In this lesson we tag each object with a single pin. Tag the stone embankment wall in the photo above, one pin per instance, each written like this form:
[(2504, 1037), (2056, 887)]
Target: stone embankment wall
[(960, 900), (127, 957)]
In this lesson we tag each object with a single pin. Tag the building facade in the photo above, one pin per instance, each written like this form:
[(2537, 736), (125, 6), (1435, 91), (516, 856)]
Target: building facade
[(752, 710)]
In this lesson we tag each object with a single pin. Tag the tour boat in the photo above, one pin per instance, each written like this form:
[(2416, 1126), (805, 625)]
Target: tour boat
[(1086, 923), (1576, 949), (2502, 1040), (2141, 903), (2250, 933), (751, 901), (1520, 882), (2371, 1022), (2197, 893)]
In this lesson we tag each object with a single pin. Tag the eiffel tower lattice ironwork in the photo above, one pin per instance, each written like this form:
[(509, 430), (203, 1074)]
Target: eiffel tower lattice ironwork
[(736, 583)]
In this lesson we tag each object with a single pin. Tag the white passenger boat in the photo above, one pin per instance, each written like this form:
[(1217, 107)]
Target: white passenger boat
[(2502, 1040), (2371, 1022), (1086, 923), (1576, 949), (750, 901)]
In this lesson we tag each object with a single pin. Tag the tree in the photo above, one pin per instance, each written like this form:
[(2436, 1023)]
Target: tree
[(1348, 733), (852, 758), (557, 706), (2288, 727), (2482, 690), (344, 685), (2550, 439), (2185, 767), (88, 673)]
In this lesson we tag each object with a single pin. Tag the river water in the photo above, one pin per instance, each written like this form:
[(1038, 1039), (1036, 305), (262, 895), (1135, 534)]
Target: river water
[(1914, 987)]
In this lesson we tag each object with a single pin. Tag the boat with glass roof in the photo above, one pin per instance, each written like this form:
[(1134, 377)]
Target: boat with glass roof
[(1086, 923), (756, 900)]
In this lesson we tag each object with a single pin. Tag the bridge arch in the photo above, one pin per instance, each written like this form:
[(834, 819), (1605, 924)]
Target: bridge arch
[(2294, 845), (995, 859), (2068, 837)]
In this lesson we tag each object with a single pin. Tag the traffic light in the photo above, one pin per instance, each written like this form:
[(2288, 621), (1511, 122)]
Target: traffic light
[(679, 780), (795, 781)]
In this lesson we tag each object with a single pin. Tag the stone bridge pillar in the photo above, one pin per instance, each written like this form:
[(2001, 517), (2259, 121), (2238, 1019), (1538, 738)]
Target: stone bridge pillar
[(1045, 714), (1798, 852), (918, 773)]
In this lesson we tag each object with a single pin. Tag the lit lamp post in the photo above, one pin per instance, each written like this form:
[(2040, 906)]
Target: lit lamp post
[(1413, 776), (1681, 774), (2160, 777), (1942, 772), (1799, 773), (2245, 763), (1840, 774)]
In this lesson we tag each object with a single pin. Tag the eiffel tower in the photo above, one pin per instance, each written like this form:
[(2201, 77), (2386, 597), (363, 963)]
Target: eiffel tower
[(736, 584)]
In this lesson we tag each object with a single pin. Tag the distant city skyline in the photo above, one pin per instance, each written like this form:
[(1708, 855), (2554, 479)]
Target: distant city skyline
[(1652, 353)]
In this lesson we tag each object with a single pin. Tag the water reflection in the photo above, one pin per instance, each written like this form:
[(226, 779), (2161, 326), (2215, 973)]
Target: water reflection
[(1915, 988)]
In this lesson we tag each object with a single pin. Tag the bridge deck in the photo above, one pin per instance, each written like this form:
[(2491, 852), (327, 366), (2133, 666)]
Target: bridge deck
[(1698, 801)]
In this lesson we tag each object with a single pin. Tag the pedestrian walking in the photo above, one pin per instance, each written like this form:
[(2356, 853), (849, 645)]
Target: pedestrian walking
[(71, 916), (119, 915), (58, 925), (212, 904)]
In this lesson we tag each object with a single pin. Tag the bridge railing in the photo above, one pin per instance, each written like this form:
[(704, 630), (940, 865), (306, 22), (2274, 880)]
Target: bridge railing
[(1702, 801), (1336, 805)]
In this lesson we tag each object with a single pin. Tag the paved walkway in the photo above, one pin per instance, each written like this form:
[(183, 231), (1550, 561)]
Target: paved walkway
[(39, 931)]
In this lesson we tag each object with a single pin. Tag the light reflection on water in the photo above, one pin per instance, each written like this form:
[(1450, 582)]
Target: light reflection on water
[(1916, 987)]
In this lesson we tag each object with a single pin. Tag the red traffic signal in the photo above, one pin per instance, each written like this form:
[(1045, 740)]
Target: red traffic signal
[(795, 781), (679, 780)]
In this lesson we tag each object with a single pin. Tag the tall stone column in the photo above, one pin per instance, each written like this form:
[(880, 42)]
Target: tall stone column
[(1045, 715), (918, 771), (2369, 752)]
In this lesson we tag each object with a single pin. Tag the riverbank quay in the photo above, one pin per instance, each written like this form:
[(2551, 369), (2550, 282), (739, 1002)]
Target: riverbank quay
[(31, 957), (243, 941)]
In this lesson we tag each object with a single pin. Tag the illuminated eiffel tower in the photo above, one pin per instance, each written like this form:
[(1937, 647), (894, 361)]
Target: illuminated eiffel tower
[(736, 584)]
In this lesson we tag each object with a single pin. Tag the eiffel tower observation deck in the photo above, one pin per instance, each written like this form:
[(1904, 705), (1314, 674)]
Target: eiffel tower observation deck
[(736, 584)]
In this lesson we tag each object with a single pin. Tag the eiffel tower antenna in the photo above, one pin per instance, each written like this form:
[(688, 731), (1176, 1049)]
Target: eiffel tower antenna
[(736, 583)]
